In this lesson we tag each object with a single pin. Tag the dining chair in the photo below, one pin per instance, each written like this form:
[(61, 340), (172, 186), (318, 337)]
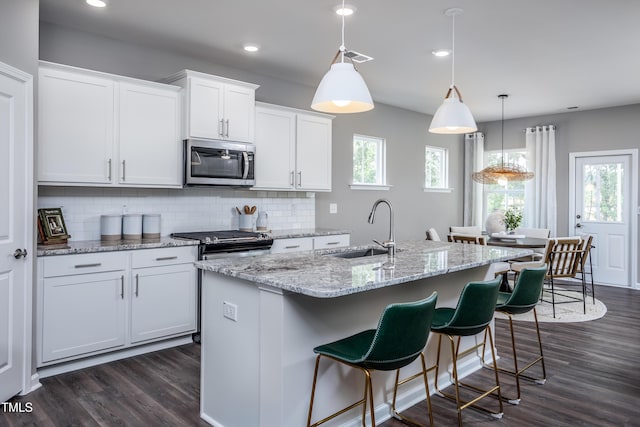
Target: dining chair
[(563, 256), (467, 239), (399, 339), (582, 268), (472, 230), (432, 234), (538, 233)]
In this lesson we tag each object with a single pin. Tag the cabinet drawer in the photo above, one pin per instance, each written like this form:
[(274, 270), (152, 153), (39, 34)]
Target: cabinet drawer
[(67, 265), (163, 256), (292, 245), (328, 242)]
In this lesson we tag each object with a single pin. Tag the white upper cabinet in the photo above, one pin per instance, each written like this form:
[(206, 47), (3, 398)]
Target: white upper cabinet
[(98, 129), (216, 107), (150, 148), (75, 127), (293, 149)]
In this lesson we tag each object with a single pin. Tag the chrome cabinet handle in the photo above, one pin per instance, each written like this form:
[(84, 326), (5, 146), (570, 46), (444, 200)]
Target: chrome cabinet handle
[(96, 264), (109, 162), (122, 286), (137, 284), (221, 127), (20, 253), (227, 131), (166, 258), (332, 243), (124, 165), (291, 179), (299, 179), (292, 247)]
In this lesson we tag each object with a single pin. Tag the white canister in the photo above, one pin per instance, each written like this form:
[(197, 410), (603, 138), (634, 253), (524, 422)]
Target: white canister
[(110, 227), (151, 226), (246, 222), (132, 226)]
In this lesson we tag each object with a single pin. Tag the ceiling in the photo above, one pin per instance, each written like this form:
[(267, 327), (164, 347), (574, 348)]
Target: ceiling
[(548, 55)]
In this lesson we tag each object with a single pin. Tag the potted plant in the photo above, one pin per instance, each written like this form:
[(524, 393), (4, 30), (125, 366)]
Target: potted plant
[(512, 219)]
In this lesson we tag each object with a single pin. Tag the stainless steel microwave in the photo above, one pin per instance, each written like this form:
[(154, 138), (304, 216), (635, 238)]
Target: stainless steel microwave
[(215, 162)]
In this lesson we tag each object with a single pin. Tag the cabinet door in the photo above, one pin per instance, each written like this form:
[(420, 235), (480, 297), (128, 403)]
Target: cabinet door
[(163, 301), (313, 153), (275, 149), (75, 127), (205, 108), (82, 314), (239, 113), (149, 136)]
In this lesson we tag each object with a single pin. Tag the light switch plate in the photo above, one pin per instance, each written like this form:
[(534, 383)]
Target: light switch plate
[(333, 208), (230, 310)]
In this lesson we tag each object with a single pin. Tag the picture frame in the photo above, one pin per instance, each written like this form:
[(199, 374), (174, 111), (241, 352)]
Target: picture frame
[(52, 222)]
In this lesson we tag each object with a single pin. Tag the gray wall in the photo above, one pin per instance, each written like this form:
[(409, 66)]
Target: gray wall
[(406, 134), (592, 130)]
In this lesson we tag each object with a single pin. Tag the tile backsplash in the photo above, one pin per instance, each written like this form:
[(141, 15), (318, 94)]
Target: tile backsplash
[(189, 209)]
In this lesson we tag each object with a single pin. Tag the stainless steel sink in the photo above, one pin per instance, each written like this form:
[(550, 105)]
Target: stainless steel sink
[(358, 253)]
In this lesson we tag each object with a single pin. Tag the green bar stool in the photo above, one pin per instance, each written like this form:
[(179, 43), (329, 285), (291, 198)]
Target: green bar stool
[(524, 298), (472, 315), (399, 339)]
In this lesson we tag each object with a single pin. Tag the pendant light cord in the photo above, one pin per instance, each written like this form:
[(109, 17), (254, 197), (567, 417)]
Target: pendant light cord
[(502, 130), (453, 50), (342, 47)]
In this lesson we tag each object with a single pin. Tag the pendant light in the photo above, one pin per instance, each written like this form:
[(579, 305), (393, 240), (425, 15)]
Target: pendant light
[(453, 116), (342, 89), (502, 173)]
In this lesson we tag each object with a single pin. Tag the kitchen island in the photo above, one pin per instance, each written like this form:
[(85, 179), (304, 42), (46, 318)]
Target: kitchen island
[(262, 317)]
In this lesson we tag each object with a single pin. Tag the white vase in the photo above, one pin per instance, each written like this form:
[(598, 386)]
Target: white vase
[(494, 222)]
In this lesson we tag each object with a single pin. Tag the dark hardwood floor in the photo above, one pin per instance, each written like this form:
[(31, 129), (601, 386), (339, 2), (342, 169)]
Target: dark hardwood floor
[(593, 379)]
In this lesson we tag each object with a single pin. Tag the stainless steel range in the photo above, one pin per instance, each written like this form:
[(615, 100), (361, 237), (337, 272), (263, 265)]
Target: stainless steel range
[(225, 244)]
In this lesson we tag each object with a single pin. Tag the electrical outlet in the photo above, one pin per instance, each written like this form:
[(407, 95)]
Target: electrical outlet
[(230, 310), (333, 208)]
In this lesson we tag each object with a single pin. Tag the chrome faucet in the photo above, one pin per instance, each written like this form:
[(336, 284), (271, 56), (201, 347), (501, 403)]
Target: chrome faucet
[(390, 244)]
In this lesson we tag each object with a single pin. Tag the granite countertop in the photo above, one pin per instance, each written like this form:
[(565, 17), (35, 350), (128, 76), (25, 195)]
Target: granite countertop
[(306, 232), (318, 274), (91, 246)]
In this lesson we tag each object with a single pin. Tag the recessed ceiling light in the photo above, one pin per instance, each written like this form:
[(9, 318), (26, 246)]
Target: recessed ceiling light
[(251, 47), (96, 3), (441, 52), (346, 11)]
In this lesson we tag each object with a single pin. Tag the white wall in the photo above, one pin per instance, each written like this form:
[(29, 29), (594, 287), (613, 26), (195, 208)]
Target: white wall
[(185, 210)]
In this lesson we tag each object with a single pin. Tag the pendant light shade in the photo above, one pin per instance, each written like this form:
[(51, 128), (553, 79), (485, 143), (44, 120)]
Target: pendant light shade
[(502, 173), (453, 116), (342, 89)]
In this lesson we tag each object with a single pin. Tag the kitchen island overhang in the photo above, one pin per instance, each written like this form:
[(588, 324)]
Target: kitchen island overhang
[(285, 305)]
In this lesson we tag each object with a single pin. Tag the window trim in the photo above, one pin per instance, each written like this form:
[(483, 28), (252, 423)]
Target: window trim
[(445, 172), (381, 164)]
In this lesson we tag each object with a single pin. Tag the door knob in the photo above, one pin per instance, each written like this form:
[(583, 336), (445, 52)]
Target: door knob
[(578, 216), (20, 253), (578, 225)]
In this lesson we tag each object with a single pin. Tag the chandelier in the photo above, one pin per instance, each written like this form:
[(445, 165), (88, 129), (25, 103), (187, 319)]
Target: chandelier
[(502, 173)]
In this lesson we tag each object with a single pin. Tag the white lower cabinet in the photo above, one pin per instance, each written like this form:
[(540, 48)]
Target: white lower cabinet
[(163, 302), (83, 314), (90, 304)]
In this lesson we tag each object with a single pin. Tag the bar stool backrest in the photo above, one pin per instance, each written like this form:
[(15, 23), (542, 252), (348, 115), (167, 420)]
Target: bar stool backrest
[(586, 251), (468, 239), (475, 308), (526, 292), (401, 334)]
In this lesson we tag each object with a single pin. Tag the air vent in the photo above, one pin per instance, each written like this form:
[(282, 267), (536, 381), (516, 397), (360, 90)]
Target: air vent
[(357, 56)]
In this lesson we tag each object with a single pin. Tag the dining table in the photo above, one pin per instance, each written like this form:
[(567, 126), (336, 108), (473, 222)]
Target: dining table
[(520, 243)]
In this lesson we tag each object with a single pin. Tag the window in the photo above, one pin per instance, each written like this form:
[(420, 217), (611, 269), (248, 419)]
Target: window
[(436, 168), (509, 194), (368, 161)]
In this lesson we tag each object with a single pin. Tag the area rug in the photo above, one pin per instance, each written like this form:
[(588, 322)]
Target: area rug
[(565, 312)]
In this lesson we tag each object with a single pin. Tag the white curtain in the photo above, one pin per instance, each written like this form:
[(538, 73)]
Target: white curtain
[(473, 162), (540, 193)]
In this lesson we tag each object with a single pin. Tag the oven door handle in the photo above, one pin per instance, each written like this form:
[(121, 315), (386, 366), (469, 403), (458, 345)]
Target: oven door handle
[(239, 254), (245, 172)]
